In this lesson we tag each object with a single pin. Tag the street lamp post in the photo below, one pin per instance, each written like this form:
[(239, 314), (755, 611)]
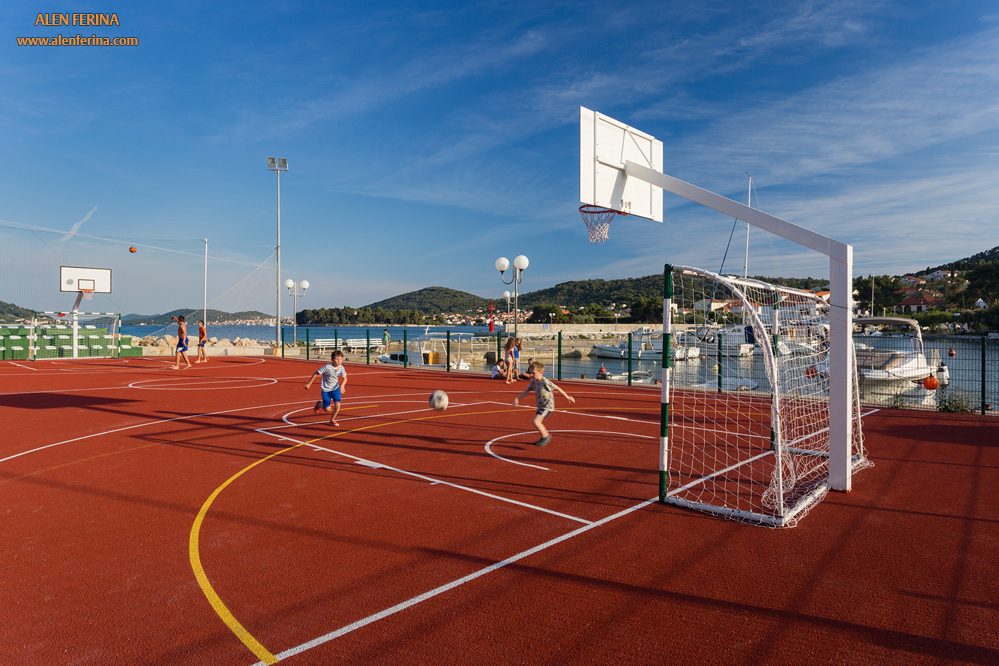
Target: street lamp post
[(277, 165), (292, 287), (520, 264)]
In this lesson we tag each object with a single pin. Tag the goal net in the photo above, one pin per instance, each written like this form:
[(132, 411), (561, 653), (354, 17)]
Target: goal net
[(77, 335), (745, 398)]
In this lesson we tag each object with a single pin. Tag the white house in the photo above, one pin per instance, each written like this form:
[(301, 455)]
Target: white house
[(936, 276)]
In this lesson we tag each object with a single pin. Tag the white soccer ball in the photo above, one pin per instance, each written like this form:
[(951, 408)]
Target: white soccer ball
[(438, 400)]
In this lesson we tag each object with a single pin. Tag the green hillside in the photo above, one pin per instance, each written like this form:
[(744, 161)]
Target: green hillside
[(11, 313), (432, 300)]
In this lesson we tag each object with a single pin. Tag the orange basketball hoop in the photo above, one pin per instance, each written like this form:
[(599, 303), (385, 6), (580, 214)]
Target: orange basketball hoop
[(598, 221), (88, 294)]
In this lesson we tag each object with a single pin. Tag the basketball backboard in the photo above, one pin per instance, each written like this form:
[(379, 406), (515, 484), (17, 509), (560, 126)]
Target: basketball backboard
[(76, 278), (604, 146)]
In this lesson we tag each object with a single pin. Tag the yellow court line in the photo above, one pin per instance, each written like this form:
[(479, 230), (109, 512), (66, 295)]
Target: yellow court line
[(216, 602)]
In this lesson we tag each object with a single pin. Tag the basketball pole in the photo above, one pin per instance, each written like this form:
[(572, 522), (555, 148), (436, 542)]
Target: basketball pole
[(840, 299), (204, 312)]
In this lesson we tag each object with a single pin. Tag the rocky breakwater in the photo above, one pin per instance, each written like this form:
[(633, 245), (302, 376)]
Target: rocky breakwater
[(166, 345)]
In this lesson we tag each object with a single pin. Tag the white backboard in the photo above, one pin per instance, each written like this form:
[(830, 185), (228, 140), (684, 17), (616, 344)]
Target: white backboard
[(604, 146), (75, 278)]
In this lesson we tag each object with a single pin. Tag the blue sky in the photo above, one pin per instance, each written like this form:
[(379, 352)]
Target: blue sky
[(427, 139)]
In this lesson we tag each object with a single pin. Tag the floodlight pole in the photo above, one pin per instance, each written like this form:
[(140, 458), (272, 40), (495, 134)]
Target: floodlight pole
[(840, 305), (278, 165)]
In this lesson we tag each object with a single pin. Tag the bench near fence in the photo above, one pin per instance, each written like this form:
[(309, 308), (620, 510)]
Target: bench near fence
[(350, 344)]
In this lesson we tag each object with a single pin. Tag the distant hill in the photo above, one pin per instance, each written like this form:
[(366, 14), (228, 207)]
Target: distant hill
[(11, 313), (214, 317), (581, 293), (988, 256), (625, 291), (431, 300)]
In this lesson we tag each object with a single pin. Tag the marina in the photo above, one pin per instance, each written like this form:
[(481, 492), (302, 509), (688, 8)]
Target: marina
[(971, 362)]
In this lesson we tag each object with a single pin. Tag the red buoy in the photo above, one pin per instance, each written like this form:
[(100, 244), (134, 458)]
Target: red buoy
[(931, 383), (952, 352)]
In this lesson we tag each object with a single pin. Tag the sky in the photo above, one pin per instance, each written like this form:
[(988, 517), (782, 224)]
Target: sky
[(425, 140)]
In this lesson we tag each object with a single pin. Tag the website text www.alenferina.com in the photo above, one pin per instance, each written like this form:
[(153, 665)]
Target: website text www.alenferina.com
[(78, 39)]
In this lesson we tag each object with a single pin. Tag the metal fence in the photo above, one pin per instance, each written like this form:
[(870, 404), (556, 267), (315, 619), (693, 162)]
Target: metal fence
[(970, 383)]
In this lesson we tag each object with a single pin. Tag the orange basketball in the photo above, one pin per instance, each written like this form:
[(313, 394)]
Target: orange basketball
[(132, 249), (931, 383)]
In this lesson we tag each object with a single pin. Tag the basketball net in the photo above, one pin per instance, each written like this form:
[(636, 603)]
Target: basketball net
[(88, 294), (597, 221)]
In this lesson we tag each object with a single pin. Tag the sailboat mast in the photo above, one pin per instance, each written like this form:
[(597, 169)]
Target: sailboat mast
[(749, 203)]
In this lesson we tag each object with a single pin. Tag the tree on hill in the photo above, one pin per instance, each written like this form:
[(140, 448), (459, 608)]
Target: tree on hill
[(887, 292), (10, 312), (546, 313), (432, 300), (983, 282)]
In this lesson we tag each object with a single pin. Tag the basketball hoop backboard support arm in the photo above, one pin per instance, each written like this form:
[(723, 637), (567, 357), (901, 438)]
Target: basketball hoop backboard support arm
[(840, 313)]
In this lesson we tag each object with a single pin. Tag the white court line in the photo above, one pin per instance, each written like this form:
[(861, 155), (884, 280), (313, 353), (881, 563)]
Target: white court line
[(25, 367), (201, 383), (428, 479), (450, 586), (489, 450), (589, 432), (333, 635), (143, 425), (293, 424)]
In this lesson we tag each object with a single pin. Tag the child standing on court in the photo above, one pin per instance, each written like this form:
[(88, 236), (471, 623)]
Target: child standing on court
[(544, 397), (334, 379), (202, 341)]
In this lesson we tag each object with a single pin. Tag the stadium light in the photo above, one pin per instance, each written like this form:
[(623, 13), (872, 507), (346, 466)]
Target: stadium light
[(277, 165)]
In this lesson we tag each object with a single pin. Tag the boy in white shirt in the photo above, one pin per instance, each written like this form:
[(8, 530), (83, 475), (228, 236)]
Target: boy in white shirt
[(334, 379)]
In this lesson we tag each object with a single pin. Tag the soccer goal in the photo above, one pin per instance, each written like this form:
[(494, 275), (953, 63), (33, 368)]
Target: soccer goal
[(746, 398), (77, 335)]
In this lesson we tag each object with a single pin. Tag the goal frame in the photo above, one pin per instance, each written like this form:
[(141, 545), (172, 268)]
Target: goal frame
[(802, 495), (113, 335)]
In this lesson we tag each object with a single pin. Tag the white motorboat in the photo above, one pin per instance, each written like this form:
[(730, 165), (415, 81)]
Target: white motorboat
[(637, 376), (890, 350), (647, 345), (728, 340)]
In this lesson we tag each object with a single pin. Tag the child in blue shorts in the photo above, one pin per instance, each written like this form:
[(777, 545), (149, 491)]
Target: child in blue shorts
[(334, 379)]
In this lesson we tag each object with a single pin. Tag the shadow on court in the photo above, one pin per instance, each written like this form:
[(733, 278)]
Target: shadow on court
[(60, 400)]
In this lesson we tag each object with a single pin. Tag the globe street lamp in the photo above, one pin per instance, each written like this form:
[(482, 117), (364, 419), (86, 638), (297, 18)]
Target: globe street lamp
[(278, 164), (520, 264), (506, 295), (292, 287)]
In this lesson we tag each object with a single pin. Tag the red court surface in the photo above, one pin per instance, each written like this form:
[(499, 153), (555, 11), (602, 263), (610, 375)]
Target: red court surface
[(207, 516)]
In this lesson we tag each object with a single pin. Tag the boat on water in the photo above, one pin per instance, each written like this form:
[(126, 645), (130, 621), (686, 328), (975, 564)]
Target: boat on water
[(430, 350), (890, 350), (646, 345), (637, 376), (728, 340)]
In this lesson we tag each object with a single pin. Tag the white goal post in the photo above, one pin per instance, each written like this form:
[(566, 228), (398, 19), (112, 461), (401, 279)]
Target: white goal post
[(75, 335), (746, 398)]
